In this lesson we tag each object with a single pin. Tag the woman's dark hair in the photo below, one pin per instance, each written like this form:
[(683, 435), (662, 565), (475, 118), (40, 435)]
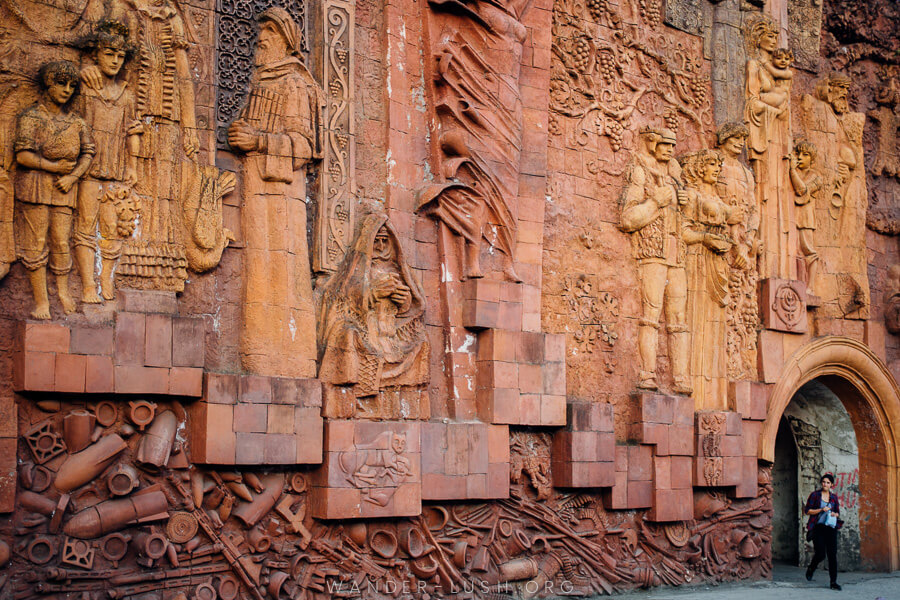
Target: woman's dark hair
[(58, 71), (829, 476)]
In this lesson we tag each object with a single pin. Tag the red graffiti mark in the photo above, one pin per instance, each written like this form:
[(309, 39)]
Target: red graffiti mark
[(849, 498)]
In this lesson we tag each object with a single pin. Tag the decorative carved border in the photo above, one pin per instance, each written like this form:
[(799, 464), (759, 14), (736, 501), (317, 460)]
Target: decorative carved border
[(337, 181)]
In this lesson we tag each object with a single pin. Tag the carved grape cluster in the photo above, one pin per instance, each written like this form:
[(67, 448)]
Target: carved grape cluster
[(615, 131), (596, 8), (606, 64), (581, 54), (650, 12)]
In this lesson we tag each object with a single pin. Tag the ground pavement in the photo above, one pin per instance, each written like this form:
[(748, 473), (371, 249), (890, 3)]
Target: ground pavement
[(787, 583)]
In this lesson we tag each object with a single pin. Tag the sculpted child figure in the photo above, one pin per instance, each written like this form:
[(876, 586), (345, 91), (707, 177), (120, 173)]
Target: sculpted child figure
[(778, 93), (53, 150), (109, 111), (807, 185)]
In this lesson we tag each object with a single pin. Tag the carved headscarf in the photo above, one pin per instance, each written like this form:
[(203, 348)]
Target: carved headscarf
[(286, 26)]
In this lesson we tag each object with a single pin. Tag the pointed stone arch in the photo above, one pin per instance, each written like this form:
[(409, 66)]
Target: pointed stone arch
[(872, 397)]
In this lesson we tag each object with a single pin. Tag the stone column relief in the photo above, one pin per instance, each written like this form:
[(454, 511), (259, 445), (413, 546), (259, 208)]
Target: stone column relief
[(278, 133)]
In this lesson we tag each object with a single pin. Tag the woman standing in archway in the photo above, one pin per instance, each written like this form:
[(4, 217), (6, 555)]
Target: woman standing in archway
[(823, 509)]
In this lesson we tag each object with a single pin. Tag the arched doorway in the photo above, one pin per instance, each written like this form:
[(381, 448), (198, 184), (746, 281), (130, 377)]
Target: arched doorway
[(815, 435), (871, 398)]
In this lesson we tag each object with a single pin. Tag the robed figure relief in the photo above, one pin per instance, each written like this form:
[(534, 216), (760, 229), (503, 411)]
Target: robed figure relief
[(768, 118), (371, 328), (707, 233)]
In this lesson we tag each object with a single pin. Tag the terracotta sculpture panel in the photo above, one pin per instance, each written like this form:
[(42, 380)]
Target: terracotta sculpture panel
[(278, 133), (371, 329)]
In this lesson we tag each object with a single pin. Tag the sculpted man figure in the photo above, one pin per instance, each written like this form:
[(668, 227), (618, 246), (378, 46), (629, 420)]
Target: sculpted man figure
[(279, 133), (651, 213)]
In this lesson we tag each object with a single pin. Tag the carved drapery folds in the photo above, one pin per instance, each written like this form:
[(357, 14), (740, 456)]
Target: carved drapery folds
[(371, 330)]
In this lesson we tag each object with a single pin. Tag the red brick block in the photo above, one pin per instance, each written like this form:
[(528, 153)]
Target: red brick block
[(529, 409), (752, 431), (44, 337), (602, 417), (130, 339), (477, 314), (70, 372), (158, 341), (481, 289), (335, 503), (747, 487), (530, 349), (656, 434), (497, 480), (141, 380), (339, 436), (92, 340), (578, 416), (510, 316), (553, 411), (285, 391), (255, 388), (606, 447), (186, 381), (616, 497), (9, 418), (662, 473), (733, 470), (438, 486), (146, 301), (640, 494), (98, 375), (732, 423), (476, 486), (681, 440), (496, 344), (531, 379), (212, 440), (682, 472), (732, 445), (655, 408), (498, 444), (555, 347), (478, 448), (310, 430), (280, 449), (188, 342), (672, 505), (280, 418), (310, 391), (554, 376), (250, 448), (250, 418), (640, 463), (621, 460), (34, 371), (456, 456), (221, 388), (683, 410)]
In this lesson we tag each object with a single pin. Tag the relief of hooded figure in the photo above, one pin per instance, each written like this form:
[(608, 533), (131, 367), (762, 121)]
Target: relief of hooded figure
[(371, 330)]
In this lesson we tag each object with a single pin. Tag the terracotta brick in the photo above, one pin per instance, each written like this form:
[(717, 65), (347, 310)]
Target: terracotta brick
[(602, 474), (456, 457), (476, 486), (495, 344), (681, 473), (310, 391), (408, 500), (639, 494), (9, 421), (529, 409), (130, 339), (158, 341), (681, 440), (188, 342), (281, 449), (438, 486), (478, 448), (750, 438), (662, 473), (602, 417), (92, 340), (212, 438), (561, 447), (285, 391), (309, 429), (530, 379), (141, 380), (747, 487), (186, 381), (554, 347), (484, 290), (477, 314), (616, 497), (640, 463), (146, 301), (336, 503), (250, 418), (69, 373), (732, 445), (771, 356), (34, 371), (606, 447), (530, 349), (44, 337), (621, 458), (98, 375), (510, 316), (553, 411), (554, 378), (578, 416), (256, 389), (733, 470), (683, 411), (497, 480), (221, 388), (499, 405), (280, 419), (250, 448), (732, 423), (498, 444), (656, 434), (672, 505), (339, 436)]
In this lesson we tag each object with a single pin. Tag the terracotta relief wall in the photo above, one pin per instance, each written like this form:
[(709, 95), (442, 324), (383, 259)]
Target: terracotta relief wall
[(323, 298)]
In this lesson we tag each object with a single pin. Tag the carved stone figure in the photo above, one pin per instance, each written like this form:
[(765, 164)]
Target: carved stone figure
[(110, 113), (738, 189), (807, 185), (651, 213), (370, 326), (767, 114), (841, 239), (279, 133), (887, 161), (53, 149), (706, 233), (381, 467), (479, 107)]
